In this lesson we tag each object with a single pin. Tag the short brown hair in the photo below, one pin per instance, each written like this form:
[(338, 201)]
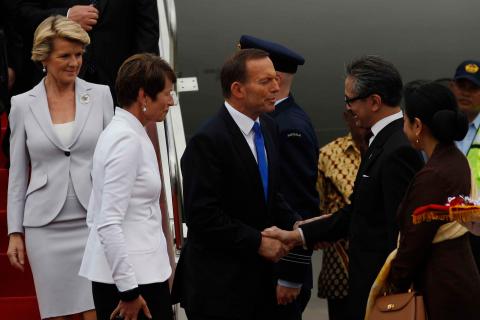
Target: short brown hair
[(235, 68), (56, 27), (143, 70)]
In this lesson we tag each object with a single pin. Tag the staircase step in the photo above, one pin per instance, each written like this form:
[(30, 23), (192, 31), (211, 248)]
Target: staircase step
[(3, 188), (3, 120), (19, 308), (3, 231), (3, 130), (15, 283)]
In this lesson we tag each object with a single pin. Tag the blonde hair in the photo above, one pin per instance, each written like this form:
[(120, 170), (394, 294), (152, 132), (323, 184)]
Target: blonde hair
[(56, 27)]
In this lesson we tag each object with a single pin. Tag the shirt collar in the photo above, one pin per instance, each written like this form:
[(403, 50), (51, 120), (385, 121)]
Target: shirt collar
[(281, 100), (476, 121), (347, 143), (130, 119), (377, 127), (244, 122)]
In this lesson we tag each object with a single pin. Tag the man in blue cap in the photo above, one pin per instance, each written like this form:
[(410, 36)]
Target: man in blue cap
[(466, 87), (298, 161)]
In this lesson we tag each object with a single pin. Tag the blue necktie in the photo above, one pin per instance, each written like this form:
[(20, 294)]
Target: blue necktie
[(261, 158)]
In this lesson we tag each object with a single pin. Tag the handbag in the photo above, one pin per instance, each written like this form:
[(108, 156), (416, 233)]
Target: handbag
[(400, 306)]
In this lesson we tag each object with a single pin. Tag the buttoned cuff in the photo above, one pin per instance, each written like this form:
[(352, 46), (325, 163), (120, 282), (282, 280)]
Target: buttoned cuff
[(129, 295)]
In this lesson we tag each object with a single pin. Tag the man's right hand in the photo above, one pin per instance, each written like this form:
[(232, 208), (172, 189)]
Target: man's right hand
[(16, 251), (272, 249), (290, 239), (86, 16)]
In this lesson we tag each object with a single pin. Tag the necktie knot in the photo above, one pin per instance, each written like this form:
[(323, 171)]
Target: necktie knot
[(367, 136), (256, 128)]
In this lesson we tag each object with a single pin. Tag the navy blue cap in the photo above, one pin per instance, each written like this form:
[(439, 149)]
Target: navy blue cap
[(284, 59), (470, 70)]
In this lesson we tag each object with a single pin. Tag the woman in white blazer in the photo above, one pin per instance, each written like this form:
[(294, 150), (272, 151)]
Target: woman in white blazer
[(126, 253), (55, 127)]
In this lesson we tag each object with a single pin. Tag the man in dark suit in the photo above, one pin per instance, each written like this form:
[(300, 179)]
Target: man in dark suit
[(117, 28), (231, 193), (373, 89), (10, 51), (10, 58), (298, 149)]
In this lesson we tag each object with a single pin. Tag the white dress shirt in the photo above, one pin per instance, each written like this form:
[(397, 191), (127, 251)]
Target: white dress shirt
[(126, 245), (245, 124), (377, 127)]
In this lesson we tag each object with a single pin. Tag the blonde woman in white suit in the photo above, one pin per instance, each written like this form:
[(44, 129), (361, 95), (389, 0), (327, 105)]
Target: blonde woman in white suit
[(55, 128), (126, 254)]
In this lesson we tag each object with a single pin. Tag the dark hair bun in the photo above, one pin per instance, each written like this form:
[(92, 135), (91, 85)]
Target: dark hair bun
[(449, 125)]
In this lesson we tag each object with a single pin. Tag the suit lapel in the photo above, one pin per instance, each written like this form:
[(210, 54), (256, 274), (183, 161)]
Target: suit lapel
[(242, 147), (83, 106), (39, 106), (376, 148)]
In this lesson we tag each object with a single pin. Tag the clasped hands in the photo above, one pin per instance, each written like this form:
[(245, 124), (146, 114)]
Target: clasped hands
[(276, 243)]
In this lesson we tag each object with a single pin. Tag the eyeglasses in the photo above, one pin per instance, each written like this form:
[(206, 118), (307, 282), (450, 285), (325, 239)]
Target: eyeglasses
[(349, 101)]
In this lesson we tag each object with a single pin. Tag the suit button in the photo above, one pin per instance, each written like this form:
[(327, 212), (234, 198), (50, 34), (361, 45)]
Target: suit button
[(67, 153)]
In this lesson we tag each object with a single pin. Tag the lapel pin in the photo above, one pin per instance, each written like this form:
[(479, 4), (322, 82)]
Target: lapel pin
[(85, 98)]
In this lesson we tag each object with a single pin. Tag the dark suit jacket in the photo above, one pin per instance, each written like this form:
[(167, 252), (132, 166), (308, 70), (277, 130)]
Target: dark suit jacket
[(369, 221), (10, 49), (220, 272), (298, 150), (124, 27), (445, 272)]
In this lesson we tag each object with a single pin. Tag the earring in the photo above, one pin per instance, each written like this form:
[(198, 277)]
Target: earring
[(44, 69), (144, 108), (418, 140)]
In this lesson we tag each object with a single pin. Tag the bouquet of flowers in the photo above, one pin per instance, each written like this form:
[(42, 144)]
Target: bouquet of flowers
[(459, 208)]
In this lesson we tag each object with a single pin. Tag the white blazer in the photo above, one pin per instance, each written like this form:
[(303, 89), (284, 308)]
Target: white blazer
[(126, 245), (36, 201)]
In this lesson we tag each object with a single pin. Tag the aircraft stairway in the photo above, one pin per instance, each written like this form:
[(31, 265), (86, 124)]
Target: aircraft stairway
[(17, 292)]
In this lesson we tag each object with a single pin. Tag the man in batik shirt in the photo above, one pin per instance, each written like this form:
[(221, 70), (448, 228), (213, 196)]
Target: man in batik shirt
[(337, 167)]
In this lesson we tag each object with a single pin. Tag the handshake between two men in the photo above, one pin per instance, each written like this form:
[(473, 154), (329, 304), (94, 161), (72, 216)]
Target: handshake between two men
[(276, 243)]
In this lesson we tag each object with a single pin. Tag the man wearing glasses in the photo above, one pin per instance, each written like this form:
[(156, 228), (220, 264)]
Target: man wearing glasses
[(373, 89), (466, 87)]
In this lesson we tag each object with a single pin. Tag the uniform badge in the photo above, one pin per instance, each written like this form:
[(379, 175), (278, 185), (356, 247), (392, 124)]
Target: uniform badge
[(294, 135), (471, 68), (85, 98)]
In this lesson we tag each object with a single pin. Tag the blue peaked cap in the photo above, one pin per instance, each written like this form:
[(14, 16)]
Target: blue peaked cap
[(470, 70), (284, 59)]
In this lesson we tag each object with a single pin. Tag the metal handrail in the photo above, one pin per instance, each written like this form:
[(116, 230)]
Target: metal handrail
[(171, 18), (175, 135), (171, 15)]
